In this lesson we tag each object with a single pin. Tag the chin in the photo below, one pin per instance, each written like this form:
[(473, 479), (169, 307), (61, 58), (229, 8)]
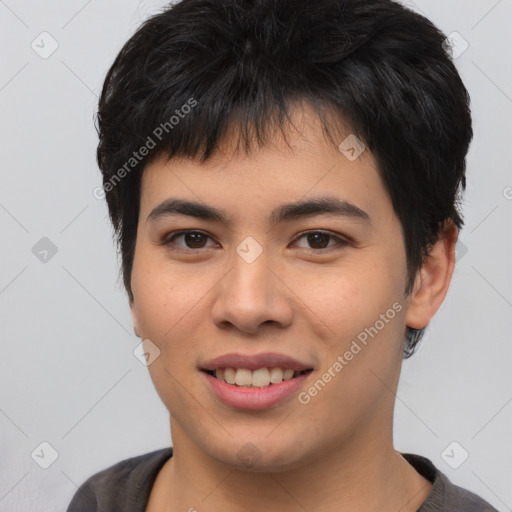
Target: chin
[(261, 455)]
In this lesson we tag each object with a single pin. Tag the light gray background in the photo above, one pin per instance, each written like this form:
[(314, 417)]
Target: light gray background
[(68, 376)]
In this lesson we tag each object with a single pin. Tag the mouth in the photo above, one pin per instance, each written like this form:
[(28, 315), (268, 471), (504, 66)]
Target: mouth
[(255, 381), (263, 377)]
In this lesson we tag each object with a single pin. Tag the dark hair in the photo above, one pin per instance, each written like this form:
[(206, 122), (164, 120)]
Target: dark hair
[(380, 68)]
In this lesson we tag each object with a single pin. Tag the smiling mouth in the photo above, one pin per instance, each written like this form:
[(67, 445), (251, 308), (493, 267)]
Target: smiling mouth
[(260, 378)]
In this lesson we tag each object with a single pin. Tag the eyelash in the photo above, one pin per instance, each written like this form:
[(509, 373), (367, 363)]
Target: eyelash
[(168, 241)]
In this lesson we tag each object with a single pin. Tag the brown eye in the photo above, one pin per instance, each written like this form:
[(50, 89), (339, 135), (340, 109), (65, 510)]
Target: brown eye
[(319, 240), (195, 240), (187, 240)]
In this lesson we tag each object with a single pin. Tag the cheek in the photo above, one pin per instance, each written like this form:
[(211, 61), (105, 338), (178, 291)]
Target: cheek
[(166, 304), (164, 294), (363, 308), (351, 298), (360, 367), (171, 304)]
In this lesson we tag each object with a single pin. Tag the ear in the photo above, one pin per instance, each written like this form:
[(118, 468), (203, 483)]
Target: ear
[(135, 318), (433, 279)]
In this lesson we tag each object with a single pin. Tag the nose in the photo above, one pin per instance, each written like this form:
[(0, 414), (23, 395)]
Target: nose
[(252, 295)]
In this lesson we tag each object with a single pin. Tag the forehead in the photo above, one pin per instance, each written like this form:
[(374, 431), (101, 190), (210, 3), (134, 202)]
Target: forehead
[(299, 163)]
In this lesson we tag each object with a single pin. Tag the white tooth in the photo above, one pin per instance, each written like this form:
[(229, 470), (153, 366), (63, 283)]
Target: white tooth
[(219, 374), (288, 374), (229, 375), (243, 377), (260, 378), (276, 375)]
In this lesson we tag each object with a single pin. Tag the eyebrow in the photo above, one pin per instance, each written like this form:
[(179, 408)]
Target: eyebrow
[(283, 213)]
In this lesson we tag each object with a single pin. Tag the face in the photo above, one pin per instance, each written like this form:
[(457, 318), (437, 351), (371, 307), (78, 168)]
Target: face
[(318, 288)]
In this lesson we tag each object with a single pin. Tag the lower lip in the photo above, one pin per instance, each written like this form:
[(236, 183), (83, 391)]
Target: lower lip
[(240, 397)]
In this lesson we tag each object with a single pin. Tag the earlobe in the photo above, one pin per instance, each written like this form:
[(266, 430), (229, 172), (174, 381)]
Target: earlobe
[(433, 279)]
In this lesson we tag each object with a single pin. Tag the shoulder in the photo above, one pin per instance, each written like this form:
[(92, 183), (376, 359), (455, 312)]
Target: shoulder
[(444, 495), (125, 485)]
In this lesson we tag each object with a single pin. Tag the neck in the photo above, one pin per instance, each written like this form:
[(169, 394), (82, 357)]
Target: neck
[(364, 476)]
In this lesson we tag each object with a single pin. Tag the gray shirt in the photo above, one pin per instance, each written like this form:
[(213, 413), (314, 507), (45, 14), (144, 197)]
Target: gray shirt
[(126, 486)]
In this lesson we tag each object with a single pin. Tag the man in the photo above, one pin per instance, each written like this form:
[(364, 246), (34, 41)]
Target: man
[(283, 179)]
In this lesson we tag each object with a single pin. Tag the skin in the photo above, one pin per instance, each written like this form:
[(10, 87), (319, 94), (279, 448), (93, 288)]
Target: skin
[(296, 298)]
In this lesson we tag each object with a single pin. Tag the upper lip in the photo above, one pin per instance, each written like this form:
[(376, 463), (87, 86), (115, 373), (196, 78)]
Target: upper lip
[(255, 361)]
